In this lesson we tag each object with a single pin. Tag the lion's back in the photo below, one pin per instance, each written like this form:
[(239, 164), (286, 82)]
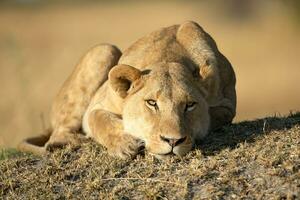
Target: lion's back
[(158, 46)]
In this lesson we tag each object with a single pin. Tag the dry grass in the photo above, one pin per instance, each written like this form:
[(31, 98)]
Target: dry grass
[(257, 159)]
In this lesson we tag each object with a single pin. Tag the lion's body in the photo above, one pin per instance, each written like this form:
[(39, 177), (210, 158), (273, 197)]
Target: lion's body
[(173, 66)]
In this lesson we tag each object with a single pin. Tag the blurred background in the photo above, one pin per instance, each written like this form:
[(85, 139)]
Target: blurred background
[(41, 41)]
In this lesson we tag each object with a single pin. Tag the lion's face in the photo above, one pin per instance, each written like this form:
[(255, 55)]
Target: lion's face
[(166, 108)]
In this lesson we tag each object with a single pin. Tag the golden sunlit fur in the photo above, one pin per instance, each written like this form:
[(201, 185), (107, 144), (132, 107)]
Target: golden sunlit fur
[(164, 92)]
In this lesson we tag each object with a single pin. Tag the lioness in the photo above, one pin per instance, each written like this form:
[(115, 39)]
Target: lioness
[(166, 91)]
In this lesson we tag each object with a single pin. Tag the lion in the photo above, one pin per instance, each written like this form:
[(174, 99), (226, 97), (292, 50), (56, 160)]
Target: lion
[(164, 93)]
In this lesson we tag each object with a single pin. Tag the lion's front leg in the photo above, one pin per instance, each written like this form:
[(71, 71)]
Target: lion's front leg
[(107, 129), (222, 114)]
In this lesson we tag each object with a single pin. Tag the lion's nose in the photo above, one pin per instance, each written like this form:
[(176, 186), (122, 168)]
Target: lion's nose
[(173, 141)]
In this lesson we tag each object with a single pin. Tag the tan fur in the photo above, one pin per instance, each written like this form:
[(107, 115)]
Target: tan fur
[(179, 68)]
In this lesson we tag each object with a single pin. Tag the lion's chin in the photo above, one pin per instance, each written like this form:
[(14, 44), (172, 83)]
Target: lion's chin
[(169, 154), (163, 156), (163, 151)]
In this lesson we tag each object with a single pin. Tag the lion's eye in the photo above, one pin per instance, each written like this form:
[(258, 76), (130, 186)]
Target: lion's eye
[(190, 106), (151, 102)]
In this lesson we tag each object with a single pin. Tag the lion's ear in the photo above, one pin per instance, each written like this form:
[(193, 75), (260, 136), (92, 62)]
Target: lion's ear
[(121, 77)]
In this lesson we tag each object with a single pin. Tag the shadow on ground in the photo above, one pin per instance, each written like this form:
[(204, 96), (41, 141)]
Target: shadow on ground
[(231, 136)]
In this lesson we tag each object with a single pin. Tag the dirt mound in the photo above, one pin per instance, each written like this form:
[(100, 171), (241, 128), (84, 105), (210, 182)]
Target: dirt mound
[(254, 159)]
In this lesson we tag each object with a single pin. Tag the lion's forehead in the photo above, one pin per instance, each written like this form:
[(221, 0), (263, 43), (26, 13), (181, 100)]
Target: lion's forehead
[(171, 86)]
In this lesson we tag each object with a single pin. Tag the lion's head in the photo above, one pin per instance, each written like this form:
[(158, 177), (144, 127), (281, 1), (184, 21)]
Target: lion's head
[(164, 105)]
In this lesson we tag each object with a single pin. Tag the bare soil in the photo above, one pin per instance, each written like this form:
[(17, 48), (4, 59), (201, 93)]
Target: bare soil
[(257, 159)]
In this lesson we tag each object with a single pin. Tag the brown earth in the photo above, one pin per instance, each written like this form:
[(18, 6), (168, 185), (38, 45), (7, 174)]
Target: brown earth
[(39, 45), (249, 160)]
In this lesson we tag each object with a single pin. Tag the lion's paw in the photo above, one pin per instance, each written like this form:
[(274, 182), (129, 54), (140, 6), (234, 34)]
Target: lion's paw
[(125, 146)]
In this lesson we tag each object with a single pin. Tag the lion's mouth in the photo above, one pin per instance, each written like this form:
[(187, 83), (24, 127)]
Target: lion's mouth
[(171, 153), (163, 156)]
